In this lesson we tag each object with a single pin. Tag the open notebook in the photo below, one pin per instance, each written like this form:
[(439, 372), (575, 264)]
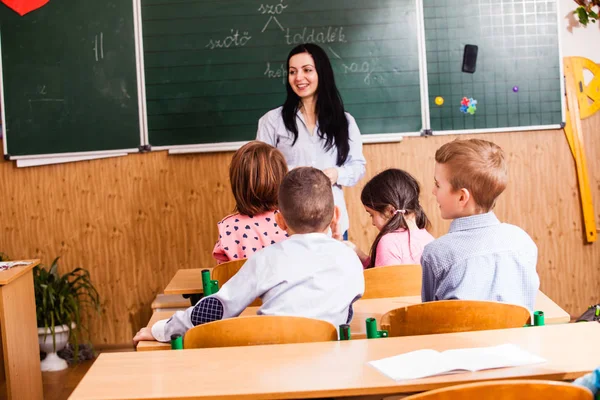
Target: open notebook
[(422, 363)]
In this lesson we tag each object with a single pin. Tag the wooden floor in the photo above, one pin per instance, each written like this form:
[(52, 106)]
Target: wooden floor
[(59, 385)]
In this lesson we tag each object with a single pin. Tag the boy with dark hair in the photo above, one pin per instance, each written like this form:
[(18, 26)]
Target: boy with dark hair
[(480, 258), (309, 275)]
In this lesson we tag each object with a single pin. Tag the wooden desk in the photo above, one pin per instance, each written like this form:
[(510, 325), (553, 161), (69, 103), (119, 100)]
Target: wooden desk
[(19, 333), (327, 369), (375, 308), (154, 345), (186, 281), (189, 281), (553, 314)]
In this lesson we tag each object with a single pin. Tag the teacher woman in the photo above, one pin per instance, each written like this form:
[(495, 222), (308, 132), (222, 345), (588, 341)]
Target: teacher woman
[(312, 128)]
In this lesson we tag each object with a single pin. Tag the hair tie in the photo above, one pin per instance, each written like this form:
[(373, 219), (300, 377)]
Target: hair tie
[(400, 211)]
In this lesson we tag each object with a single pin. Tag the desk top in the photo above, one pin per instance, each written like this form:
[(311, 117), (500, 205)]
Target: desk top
[(374, 308), (186, 281), (327, 369), (13, 273)]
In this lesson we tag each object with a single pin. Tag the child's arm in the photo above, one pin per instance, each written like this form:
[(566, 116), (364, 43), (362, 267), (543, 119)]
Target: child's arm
[(364, 258), (162, 330), (428, 279), (219, 253), (235, 295), (251, 281), (143, 334), (337, 235)]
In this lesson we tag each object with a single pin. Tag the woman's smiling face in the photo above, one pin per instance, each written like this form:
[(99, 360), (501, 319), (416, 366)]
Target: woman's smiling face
[(302, 75)]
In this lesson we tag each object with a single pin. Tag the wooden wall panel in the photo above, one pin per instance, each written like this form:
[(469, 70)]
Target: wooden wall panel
[(134, 221)]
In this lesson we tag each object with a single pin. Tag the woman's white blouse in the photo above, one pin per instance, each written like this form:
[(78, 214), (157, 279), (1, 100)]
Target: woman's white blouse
[(308, 151)]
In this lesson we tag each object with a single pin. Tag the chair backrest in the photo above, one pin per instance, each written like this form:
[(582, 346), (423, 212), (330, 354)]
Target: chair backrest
[(259, 329), (447, 316), (508, 390), (393, 281), (224, 272)]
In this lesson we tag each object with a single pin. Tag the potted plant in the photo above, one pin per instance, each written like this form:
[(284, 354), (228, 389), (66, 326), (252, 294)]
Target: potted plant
[(59, 301), (587, 11)]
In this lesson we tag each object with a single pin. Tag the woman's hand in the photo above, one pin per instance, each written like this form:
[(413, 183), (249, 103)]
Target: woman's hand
[(332, 174), (143, 334)]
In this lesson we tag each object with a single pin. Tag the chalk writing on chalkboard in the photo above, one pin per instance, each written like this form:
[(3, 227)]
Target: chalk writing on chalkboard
[(273, 11)]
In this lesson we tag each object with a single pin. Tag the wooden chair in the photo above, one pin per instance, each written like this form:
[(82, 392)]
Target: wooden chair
[(508, 390), (447, 316), (224, 272), (260, 329), (393, 281)]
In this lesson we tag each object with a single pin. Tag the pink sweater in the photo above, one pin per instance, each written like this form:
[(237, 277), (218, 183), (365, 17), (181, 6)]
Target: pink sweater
[(240, 236), (394, 249)]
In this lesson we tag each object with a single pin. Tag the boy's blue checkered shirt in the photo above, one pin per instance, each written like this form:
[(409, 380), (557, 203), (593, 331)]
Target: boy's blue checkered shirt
[(481, 259)]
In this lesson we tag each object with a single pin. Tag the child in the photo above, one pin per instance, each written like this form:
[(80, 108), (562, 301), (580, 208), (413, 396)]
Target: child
[(392, 200), (255, 173), (590, 381), (309, 275), (480, 258)]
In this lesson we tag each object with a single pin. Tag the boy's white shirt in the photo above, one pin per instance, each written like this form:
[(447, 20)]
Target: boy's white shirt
[(308, 275)]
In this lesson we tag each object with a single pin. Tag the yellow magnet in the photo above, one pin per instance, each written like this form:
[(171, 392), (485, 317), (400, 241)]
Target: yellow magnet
[(439, 100)]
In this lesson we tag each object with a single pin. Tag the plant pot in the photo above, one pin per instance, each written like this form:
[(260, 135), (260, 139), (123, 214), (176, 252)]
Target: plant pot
[(53, 362)]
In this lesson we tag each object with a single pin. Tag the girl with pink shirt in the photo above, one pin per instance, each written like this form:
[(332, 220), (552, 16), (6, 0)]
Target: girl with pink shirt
[(392, 200), (255, 173)]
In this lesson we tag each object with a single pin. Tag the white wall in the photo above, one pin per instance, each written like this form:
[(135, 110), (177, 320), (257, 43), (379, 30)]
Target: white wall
[(577, 40)]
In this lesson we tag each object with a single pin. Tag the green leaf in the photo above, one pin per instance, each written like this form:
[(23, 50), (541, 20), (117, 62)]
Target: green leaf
[(582, 15), (61, 300)]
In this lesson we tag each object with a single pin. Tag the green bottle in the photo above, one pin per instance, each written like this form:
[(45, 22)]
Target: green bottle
[(344, 332), (538, 318), (176, 342), (209, 286), (372, 332)]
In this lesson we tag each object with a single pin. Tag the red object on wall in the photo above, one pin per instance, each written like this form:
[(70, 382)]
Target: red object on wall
[(22, 7)]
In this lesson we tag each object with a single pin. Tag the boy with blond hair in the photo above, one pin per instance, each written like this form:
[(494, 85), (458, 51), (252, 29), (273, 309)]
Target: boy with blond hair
[(479, 258), (308, 275)]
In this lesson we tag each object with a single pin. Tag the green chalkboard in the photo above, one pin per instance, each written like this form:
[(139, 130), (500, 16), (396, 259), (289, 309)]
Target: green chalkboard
[(214, 67), (517, 80), (69, 78)]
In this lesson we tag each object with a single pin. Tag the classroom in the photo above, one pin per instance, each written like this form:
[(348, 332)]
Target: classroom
[(126, 174)]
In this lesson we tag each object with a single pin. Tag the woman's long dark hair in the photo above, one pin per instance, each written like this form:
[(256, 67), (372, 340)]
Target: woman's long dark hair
[(333, 125), (398, 189)]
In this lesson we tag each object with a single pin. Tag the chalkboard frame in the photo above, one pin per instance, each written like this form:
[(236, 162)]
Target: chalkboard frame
[(233, 145), (37, 158), (518, 128), (425, 106)]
